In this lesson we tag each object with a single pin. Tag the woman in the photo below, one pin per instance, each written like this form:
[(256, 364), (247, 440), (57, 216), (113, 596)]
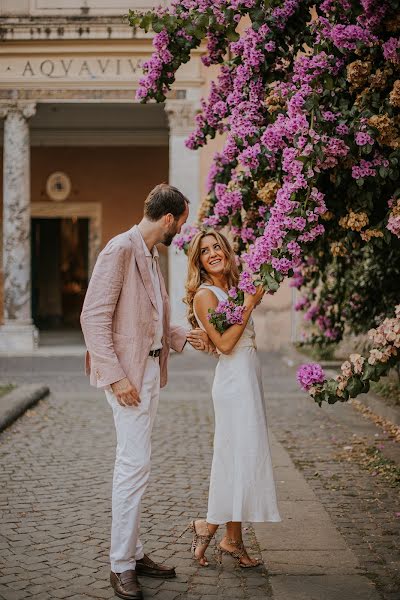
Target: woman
[(242, 486)]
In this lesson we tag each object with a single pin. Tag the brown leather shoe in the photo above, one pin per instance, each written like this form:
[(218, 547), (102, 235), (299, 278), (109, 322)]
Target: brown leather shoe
[(146, 566), (126, 585)]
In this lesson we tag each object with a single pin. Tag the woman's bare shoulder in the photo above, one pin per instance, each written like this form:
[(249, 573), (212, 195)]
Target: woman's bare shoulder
[(204, 296)]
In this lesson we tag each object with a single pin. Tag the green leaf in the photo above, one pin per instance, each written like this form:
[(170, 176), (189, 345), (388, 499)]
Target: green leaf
[(387, 236), (354, 386), (329, 84), (200, 32), (158, 26), (270, 282), (265, 268), (145, 22), (367, 372), (257, 15), (232, 35), (202, 20)]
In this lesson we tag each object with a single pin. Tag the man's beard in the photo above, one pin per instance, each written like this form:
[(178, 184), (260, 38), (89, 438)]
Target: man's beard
[(169, 236)]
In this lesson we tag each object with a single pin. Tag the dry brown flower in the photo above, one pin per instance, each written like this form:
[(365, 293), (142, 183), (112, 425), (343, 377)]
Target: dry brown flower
[(274, 101), (394, 96), (354, 221), (268, 193), (338, 249), (387, 128), (358, 73), (379, 78), (371, 233), (327, 216), (204, 208), (260, 183)]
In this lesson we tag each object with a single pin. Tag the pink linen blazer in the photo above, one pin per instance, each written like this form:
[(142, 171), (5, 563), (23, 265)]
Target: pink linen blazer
[(118, 315)]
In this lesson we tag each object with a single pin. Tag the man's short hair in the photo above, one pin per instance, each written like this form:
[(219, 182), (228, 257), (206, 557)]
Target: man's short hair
[(164, 199)]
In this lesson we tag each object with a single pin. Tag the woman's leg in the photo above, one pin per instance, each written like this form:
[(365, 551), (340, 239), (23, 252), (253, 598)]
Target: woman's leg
[(234, 534), (202, 528)]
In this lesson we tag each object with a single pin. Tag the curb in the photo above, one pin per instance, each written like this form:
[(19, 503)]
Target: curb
[(16, 402)]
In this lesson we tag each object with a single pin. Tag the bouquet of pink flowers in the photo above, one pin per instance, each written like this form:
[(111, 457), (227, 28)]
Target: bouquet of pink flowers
[(228, 312)]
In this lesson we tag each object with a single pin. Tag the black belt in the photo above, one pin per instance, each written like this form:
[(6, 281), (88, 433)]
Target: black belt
[(155, 353)]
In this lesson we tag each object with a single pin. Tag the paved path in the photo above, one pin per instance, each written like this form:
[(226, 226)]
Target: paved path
[(339, 532)]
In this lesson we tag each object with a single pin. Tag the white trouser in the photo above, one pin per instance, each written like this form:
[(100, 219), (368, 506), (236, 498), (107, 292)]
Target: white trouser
[(133, 425)]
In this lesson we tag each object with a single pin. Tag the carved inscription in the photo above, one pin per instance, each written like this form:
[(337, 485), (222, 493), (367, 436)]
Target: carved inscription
[(76, 68)]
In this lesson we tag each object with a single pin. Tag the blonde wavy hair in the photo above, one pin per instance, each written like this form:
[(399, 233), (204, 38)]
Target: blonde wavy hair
[(196, 275)]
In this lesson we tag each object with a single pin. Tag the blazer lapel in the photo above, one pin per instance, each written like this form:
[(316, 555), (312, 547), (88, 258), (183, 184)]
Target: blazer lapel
[(142, 265)]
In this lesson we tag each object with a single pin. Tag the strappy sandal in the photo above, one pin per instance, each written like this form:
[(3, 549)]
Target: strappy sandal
[(237, 554), (198, 540)]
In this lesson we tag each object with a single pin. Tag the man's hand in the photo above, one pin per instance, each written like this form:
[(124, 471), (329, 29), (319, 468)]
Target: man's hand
[(200, 341), (125, 393)]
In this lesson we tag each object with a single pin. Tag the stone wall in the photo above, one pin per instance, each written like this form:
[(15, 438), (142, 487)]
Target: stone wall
[(273, 320)]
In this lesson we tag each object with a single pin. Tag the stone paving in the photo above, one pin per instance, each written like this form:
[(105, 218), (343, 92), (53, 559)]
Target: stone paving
[(55, 485)]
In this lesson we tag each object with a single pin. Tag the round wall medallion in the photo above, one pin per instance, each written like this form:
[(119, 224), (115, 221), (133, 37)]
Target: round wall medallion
[(58, 186)]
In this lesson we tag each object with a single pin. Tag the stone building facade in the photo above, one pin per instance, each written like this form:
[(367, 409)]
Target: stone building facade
[(80, 155)]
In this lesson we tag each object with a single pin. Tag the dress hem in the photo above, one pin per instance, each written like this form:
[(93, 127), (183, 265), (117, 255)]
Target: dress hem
[(243, 520)]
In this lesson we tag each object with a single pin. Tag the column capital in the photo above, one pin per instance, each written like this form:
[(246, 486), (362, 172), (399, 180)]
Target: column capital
[(26, 108), (181, 116)]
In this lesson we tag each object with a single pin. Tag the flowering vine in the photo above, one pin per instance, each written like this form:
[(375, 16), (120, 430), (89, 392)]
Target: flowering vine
[(357, 371), (308, 99)]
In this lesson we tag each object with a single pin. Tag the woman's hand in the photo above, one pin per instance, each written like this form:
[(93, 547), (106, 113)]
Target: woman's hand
[(200, 340), (251, 300)]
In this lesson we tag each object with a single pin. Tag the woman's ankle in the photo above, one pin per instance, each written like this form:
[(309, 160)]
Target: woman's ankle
[(230, 541), (204, 528)]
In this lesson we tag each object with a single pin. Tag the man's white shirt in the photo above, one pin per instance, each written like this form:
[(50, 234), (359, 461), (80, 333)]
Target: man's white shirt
[(151, 259)]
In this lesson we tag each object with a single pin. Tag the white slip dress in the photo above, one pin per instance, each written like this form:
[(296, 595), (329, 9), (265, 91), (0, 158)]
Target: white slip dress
[(242, 486)]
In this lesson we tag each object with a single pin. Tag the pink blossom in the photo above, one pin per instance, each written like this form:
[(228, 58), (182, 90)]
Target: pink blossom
[(310, 375)]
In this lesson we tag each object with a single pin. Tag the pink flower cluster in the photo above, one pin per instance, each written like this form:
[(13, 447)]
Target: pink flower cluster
[(362, 138), (393, 224), (386, 336), (391, 50), (182, 240), (232, 313), (345, 37), (229, 200), (368, 168), (310, 375), (246, 283)]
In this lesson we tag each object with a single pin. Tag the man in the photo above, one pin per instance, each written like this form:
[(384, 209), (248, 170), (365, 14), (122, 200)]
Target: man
[(125, 322)]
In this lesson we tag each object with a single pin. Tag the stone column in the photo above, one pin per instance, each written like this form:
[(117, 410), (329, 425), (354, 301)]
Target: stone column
[(184, 173), (18, 332)]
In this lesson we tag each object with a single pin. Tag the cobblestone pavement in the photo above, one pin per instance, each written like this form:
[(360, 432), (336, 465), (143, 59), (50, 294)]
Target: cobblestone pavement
[(56, 487), (56, 484)]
